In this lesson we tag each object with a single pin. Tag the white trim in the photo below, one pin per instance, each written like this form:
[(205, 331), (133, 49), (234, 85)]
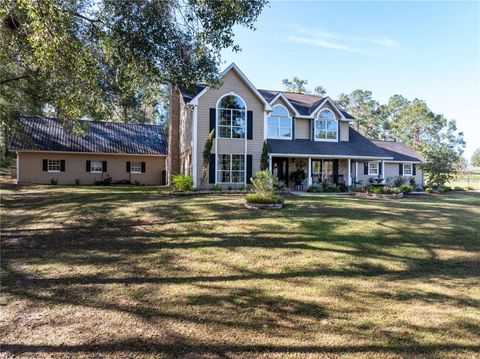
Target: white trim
[(326, 156), (411, 170), (101, 163), (309, 172), (18, 168), (332, 103), (233, 66), (349, 172), (194, 145), (287, 101), (325, 120), (291, 123), (356, 171), (231, 169), (270, 163), (135, 172), (383, 168), (404, 162), (90, 153), (265, 125)]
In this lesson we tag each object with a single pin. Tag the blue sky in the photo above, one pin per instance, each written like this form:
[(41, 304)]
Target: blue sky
[(426, 50)]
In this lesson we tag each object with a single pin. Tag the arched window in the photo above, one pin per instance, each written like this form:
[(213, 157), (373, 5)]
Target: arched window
[(279, 123), (326, 126), (231, 117)]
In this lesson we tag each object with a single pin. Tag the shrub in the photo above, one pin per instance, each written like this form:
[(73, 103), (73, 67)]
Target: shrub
[(457, 188), (469, 188), (53, 181), (217, 188), (441, 190), (429, 190), (446, 188), (342, 187), (316, 188), (399, 181), (264, 199), (406, 189), (262, 183), (182, 183), (77, 182), (419, 189), (377, 190), (412, 182)]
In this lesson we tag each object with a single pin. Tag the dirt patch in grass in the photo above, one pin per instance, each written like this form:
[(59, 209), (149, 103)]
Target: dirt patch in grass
[(92, 272)]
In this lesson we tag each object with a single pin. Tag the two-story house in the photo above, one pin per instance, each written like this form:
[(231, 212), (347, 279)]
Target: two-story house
[(302, 132)]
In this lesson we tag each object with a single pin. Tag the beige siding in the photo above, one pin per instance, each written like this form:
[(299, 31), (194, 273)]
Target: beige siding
[(344, 131), (31, 168), (230, 83), (302, 128), (185, 128), (391, 171)]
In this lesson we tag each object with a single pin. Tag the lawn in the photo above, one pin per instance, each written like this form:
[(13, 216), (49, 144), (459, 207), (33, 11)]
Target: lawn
[(122, 272)]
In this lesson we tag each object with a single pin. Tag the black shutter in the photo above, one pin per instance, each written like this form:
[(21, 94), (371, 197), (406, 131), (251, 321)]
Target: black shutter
[(400, 169), (45, 165), (380, 168), (293, 128), (335, 171), (249, 168), (414, 169), (312, 129), (249, 125), (128, 166), (88, 166), (338, 128), (62, 165), (104, 166), (365, 168), (213, 114), (143, 167), (211, 169)]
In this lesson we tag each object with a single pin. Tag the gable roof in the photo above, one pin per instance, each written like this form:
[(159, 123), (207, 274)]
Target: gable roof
[(400, 151), (232, 67), (358, 146), (49, 134)]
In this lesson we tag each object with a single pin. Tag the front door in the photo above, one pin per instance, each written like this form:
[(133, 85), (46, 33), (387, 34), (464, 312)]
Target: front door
[(280, 168)]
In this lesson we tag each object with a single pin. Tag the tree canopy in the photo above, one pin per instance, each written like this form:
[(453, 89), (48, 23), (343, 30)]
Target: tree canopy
[(299, 85), (110, 59), (475, 160)]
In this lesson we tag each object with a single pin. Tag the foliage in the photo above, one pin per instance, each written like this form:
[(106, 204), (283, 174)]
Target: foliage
[(446, 188), (399, 181), (469, 188), (111, 60), (412, 182), (406, 189), (207, 150), (458, 188), (475, 160), (262, 183), (182, 183), (298, 175), (295, 85), (217, 188), (440, 167), (265, 159), (320, 90), (429, 190), (264, 199), (54, 181), (377, 190), (323, 187)]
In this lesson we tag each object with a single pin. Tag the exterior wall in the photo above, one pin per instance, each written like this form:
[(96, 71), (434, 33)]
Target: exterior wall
[(302, 128), (344, 131), (391, 171), (185, 128), (31, 168), (186, 163), (231, 83), (173, 159)]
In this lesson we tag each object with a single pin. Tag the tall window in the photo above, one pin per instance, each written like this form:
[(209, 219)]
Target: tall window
[(373, 168), (279, 123), (231, 168), (407, 169), (326, 126), (231, 117)]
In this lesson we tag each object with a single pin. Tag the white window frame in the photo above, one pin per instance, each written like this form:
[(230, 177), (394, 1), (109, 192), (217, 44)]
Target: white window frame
[(135, 164), (370, 173), (411, 169), (278, 118), (50, 164), (92, 166), (318, 119), (218, 126), (230, 170)]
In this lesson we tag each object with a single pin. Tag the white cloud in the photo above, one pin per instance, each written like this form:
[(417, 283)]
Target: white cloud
[(320, 43)]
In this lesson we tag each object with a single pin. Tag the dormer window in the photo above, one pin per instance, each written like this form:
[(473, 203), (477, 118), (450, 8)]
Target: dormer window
[(280, 123), (326, 126), (231, 117)]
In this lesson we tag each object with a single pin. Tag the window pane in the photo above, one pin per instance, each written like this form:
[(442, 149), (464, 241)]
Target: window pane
[(224, 162), (238, 176), (331, 125), (321, 133), (136, 167), (285, 122), (238, 118), (272, 121), (284, 132), (225, 116), (224, 132), (233, 102), (316, 167), (272, 132), (321, 125), (223, 176), (238, 132), (238, 162), (326, 114), (279, 111), (331, 135), (96, 166)]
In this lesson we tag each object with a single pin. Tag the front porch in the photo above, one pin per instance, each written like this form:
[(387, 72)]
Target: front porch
[(335, 171)]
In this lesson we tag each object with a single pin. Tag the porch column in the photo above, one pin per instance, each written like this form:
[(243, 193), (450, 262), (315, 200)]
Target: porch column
[(383, 168), (309, 172), (349, 172), (356, 171), (270, 163)]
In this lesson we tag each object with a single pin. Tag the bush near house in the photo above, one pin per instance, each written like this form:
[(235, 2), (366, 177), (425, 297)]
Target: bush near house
[(264, 189), (182, 183)]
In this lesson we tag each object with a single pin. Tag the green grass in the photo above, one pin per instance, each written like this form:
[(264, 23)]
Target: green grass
[(469, 179), (123, 272)]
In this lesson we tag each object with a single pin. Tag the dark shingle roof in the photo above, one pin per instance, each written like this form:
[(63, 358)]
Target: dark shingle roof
[(399, 151), (189, 94), (357, 146), (47, 134)]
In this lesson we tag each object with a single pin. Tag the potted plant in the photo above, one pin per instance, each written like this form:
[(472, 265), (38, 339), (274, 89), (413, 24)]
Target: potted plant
[(298, 176)]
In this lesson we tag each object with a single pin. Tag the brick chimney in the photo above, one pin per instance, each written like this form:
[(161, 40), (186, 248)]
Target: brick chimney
[(173, 159)]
